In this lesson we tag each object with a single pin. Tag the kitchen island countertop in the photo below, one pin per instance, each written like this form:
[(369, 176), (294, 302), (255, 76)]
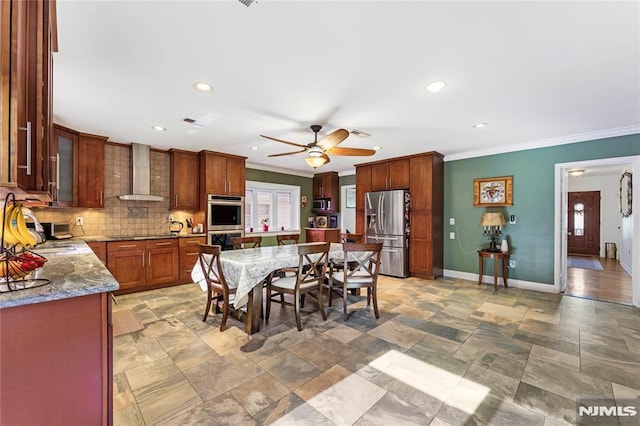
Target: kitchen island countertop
[(73, 269)]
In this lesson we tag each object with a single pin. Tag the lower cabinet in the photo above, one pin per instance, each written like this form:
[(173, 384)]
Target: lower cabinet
[(189, 250), (316, 235), (100, 249), (143, 264), (57, 360)]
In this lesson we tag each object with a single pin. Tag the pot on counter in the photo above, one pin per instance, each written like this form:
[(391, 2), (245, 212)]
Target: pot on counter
[(175, 227)]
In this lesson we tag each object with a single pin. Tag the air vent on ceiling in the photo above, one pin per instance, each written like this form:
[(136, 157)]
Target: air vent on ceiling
[(246, 2), (360, 133), (189, 120)]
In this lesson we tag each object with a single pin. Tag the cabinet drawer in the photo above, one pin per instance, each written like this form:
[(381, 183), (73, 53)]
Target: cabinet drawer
[(113, 246), (191, 241), (167, 243)]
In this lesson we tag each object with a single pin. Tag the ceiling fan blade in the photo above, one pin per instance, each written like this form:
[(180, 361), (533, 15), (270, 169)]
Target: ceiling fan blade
[(355, 152), (333, 139), (287, 142), (286, 153), (326, 157)]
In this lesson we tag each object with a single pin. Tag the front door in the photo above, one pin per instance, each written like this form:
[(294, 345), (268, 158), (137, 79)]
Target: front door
[(584, 223)]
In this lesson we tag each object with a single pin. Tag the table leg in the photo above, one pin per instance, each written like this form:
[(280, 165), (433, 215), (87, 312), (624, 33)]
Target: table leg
[(480, 267), (495, 273), (505, 272), (254, 309)]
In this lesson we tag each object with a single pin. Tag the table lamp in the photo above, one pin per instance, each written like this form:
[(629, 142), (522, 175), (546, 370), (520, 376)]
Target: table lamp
[(492, 222)]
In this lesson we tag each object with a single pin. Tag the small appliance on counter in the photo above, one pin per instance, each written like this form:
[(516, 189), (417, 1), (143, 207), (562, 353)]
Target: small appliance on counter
[(57, 231), (175, 227), (35, 227)]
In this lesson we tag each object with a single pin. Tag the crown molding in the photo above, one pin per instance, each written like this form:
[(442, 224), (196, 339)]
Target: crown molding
[(544, 143)]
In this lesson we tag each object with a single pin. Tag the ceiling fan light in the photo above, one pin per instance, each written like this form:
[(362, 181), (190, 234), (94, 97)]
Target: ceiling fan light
[(315, 162), (315, 151)]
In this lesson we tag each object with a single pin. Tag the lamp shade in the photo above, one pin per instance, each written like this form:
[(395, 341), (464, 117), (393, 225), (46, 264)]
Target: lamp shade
[(316, 162), (492, 219)]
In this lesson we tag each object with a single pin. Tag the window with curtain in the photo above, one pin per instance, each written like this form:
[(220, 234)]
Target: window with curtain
[(273, 204)]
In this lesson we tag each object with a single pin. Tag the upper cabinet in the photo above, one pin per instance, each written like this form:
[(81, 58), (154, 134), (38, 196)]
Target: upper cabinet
[(222, 174), (392, 174), (185, 180), (326, 187), (77, 165), (26, 44)]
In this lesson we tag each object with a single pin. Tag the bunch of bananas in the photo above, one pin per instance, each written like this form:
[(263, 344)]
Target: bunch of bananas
[(15, 227)]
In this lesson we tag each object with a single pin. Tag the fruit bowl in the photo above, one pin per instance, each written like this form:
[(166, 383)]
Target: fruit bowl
[(15, 266)]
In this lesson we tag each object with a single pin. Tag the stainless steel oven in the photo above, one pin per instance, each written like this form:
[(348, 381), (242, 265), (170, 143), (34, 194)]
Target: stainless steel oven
[(225, 213)]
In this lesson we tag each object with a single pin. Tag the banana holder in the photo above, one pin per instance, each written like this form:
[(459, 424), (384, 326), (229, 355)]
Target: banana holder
[(18, 265)]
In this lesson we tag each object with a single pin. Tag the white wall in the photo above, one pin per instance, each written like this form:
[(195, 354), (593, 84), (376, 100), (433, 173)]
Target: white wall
[(610, 218), (348, 215), (625, 250)]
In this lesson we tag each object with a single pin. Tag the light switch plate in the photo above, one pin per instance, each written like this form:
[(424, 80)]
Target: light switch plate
[(512, 219), (452, 221), (452, 235)]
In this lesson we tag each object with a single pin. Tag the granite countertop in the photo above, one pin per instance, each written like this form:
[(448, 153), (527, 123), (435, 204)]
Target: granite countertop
[(96, 238), (73, 269)]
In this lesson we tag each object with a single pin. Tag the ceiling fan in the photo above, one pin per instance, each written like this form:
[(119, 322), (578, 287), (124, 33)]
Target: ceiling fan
[(319, 150)]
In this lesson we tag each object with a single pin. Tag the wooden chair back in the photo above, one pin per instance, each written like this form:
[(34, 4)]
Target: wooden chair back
[(287, 239), (238, 243), (366, 260), (209, 258), (351, 238), (313, 263)]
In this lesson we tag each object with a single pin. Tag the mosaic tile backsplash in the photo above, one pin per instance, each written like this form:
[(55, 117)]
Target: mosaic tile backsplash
[(123, 218)]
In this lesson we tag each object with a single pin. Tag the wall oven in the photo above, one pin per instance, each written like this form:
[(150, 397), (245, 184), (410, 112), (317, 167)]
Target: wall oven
[(225, 213)]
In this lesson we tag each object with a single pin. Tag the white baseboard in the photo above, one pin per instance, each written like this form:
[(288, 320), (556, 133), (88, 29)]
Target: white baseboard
[(488, 279), (626, 267)]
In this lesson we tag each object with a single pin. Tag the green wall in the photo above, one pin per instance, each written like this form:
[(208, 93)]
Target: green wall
[(347, 180), (306, 188), (531, 238)]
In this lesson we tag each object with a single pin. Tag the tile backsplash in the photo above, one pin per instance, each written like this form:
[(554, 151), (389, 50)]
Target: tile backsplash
[(123, 218)]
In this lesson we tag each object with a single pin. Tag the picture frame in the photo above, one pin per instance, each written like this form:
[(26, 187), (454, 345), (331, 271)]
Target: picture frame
[(626, 194), (350, 198), (493, 191), (321, 221)]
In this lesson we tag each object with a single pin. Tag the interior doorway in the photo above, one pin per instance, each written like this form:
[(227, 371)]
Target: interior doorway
[(627, 263), (583, 223)]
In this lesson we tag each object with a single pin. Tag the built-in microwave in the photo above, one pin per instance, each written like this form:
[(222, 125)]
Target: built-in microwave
[(321, 204), (225, 213)]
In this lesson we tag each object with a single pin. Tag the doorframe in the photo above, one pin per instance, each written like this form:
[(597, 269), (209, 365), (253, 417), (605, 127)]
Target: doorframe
[(560, 221)]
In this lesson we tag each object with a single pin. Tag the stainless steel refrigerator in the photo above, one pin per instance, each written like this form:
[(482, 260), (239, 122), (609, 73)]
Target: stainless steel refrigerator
[(386, 221)]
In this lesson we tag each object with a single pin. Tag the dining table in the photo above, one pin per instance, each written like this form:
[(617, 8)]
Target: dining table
[(246, 269)]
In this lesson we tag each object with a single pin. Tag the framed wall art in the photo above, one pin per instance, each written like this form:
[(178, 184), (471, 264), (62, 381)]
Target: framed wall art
[(494, 191)]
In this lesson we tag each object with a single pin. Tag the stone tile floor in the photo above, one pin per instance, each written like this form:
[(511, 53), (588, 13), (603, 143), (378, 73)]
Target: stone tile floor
[(444, 352)]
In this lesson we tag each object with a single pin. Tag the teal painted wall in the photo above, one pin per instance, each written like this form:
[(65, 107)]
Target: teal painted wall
[(306, 188), (531, 238)]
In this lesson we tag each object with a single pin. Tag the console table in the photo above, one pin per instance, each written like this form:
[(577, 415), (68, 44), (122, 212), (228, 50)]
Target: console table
[(495, 256)]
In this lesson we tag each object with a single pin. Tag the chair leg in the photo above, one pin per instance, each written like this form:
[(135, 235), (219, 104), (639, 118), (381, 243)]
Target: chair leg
[(374, 295), (324, 314), (268, 308), (344, 301), (296, 303), (206, 311), (368, 296), (330, 292), (225, 311)]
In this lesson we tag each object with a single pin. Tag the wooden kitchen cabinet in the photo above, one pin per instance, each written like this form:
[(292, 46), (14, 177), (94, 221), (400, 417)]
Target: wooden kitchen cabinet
[(188, 251), (392, 174), (221, 174), (184, 185), (91, 170), (326, 186), (27, 41), (423, 175), (57, 362), (100, 250), (143, 264), (319, 235)]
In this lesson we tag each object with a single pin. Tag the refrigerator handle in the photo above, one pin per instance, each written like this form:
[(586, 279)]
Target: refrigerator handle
[(381, 211)]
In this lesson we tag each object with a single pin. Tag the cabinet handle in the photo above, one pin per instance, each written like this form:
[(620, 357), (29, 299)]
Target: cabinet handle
[(57, 171), (101, 200), (127, 246), (28, 166), (192, 254), (193, 242), (162, 244), (176, 201), (143, 259), (149, 264)]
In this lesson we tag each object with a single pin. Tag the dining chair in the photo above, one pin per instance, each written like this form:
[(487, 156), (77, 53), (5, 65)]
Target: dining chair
[(347, 237), (309, 278), (365, 275), (238, 243), (217, 288), (287, 239)]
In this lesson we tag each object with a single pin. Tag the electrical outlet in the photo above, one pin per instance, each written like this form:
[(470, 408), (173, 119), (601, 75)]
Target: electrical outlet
[(452, 235), (170, 218), (512, 219), (79, 221), (452, 221), (512, 264)]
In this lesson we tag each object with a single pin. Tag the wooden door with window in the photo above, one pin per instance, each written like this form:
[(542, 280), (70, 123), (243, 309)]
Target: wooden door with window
[(584, 223)]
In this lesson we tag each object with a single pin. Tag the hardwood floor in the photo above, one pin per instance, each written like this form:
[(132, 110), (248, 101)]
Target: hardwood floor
[(613, 284)]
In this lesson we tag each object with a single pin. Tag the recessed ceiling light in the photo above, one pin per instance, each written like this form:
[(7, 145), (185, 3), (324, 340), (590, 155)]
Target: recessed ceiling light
[(377, 148), (576, 173), (435, 86), (254, 148), (203, 87), (480, 125), (159, 128)]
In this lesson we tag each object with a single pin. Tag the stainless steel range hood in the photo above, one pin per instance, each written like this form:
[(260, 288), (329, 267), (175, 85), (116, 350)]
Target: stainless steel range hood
[(140, 175)]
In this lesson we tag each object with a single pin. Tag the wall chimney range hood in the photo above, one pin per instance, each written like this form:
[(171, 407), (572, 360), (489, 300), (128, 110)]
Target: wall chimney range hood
[(140, 175)]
